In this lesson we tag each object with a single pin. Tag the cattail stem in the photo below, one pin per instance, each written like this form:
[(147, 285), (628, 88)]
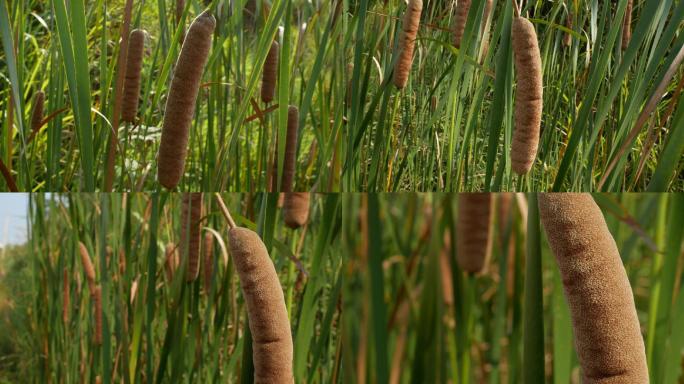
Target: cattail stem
[(224, 210)]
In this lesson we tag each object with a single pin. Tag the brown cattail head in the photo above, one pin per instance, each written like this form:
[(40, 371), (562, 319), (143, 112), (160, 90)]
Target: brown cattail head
[(296, 209), (208, 261), (627, 26), (136, 46), (191, 215), (268, 319), (462, 9), (407, 42), (37, 112), (567, 38), (97, 307), (268, 80), (171, 260), (180, 105), (88, 266), (445, 270), (528, 98), (290, 149), (473, 241), (606, 327), (180, 5), (67, 300)]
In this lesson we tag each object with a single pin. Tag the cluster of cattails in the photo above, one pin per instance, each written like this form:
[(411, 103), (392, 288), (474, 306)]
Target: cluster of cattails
[(407, 42), (528, 98), (266, 309), (95, 291), (606, 327), (191, 214), (180, 105), (627, 26), (270, 73), (134, 58), (473, 239)]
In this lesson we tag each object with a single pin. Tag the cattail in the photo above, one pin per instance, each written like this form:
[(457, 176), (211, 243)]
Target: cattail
[(208, 260), (445, 271), (97, 306), (462, 9), (37, 113), (473, 242), (180, 105), (296, 209), (407, 41), (88, 266), (606, 327), (528, 99), (627, 26), (290, 149), (67, 300), (268, 319), (191, 215), (136, 46), (171, 261), (180, 6), (567, 37), (268, 80)]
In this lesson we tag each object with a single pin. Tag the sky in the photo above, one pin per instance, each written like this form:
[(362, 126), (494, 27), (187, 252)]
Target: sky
[(13, 210)]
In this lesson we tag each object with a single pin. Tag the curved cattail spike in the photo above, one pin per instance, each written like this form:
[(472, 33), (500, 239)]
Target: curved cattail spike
[(627, 26), (136, 46), (88, 266), (462, 9), (289, 167), (296, 209), (180, 105), (473, 241), (191, 215), (38, 110), (407, 42), (267, 313), (208, 261), (528, 97), (606, 327), (270, 73)]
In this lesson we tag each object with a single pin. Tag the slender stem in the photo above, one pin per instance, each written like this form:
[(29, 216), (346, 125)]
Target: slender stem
[(224, 210)]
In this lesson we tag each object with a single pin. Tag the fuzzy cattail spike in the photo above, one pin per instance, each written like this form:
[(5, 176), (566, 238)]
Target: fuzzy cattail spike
[(462, 9), (627, 26), (407, 42), (270, 74), (180, 105), (136, 45), (296, 209), (208, 267), (473, 241), (528, 97), (290, 149), (37, 112), (88, 266), (191, 215), (606, 327), (97, 307)]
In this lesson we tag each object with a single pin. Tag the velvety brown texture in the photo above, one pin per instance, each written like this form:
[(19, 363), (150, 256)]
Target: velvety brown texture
[(88, 266), (97, 307), (627, 26), (296, 209), (180, 105), (606, 328), (528, 96), (37, 112), (407, 42), (289, 167), (445, 271), (208, 267), (136, 47), (270, 73), (268, 320), (473, 241), (190, 233), (460, 19)]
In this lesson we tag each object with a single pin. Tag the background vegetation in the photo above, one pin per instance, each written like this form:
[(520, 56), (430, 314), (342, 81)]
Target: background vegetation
[(611, 119), (158, 329), (411, 315), (71, 53)]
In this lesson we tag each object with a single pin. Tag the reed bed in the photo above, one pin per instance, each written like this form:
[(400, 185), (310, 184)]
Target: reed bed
[(216, 133), (148, 325), (513, 324)]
